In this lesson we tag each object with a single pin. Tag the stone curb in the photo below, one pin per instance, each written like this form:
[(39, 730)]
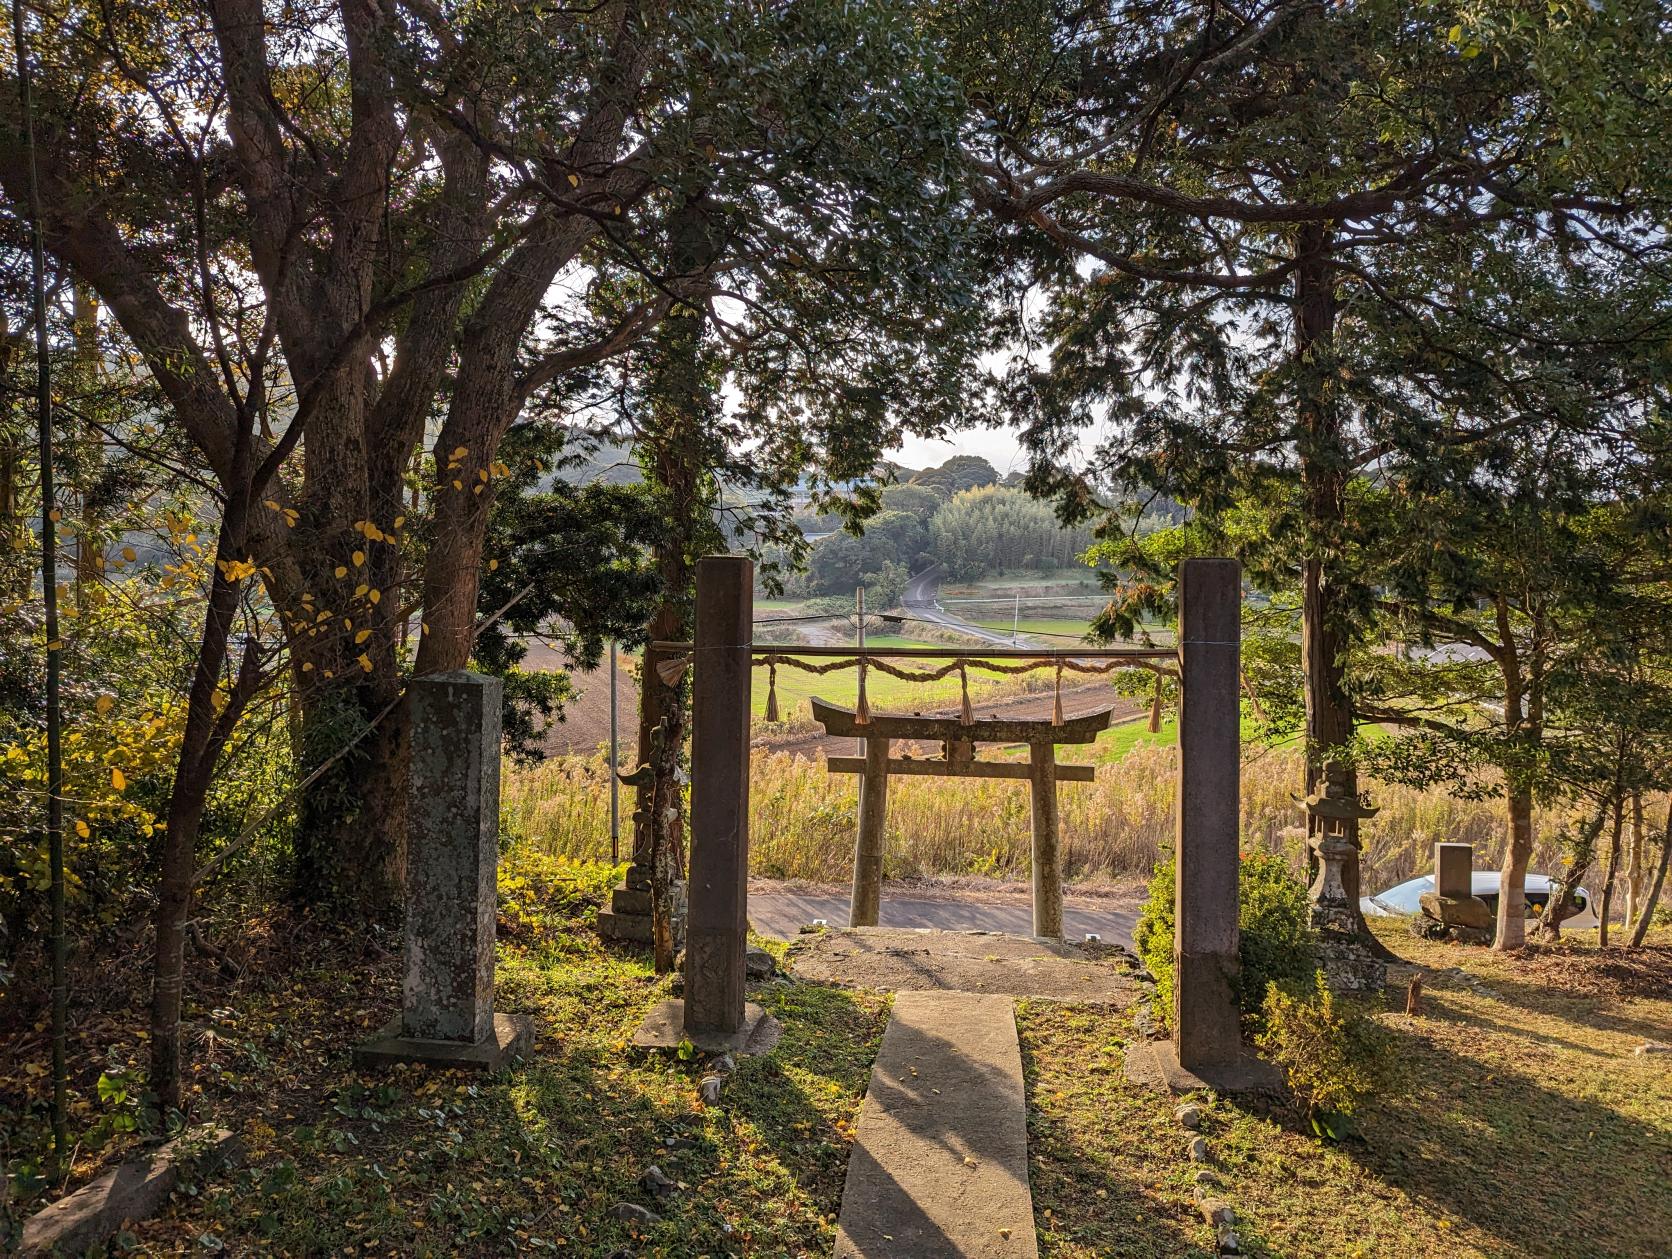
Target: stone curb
[(134, 1190)]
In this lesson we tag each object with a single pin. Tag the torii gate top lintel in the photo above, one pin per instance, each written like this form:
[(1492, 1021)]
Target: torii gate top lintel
[(844, 722)]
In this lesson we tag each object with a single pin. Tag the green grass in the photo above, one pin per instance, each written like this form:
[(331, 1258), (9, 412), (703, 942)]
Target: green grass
[(1116, 742), (1523, 1127), (532, 1161), (1077, 578), (1055, 626), (882, 691)]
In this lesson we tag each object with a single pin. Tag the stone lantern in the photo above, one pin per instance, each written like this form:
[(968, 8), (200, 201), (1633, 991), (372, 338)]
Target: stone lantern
[(1348, 963)]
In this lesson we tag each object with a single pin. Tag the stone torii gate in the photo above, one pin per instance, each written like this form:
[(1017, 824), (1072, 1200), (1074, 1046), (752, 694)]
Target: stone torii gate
[(958, 760)]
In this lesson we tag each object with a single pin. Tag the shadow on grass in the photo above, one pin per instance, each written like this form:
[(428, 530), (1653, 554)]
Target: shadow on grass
[(422, 1163), (1080, 1116), (1597, 1012), (1545, 1172)]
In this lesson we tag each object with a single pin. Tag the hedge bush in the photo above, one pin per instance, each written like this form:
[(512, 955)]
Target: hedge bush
[(1276, 937)]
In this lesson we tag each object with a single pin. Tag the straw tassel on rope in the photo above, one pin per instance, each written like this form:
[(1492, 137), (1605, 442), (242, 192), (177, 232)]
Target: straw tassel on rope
[(967, 716), (1056, 706), (772, 689), (861, 708), (1155, 707)]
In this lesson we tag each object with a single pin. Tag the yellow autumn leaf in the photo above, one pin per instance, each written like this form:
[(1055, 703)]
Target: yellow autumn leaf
[(460, 452), (118, 779), (365, 662), (342, 571), (129, 554), (359, 558), (81, 828), (104, 704), (492, 564), (362, 636), (375, 596)]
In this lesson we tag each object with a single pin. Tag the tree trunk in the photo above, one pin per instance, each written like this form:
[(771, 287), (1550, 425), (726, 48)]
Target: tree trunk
[(1646, 915), (1329, 712), (679, 453), (1637, 859), (350, 845), (1561, 896), (1613, 870), (1512, 884), (202, 739)]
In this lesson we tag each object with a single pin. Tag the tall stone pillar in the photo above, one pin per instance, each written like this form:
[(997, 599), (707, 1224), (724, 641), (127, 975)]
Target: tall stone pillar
[(717, 928), (1206, 1021), (713, 1014), (447, 1015)]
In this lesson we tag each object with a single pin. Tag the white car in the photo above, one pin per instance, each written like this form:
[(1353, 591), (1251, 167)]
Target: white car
[(1405, 898)]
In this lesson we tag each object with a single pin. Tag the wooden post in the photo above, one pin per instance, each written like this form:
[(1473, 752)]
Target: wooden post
[(865, 906), (717, 927), (1206, 1022), (1047, 861)]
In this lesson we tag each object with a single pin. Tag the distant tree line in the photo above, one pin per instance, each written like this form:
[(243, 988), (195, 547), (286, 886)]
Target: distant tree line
[(975, 532)]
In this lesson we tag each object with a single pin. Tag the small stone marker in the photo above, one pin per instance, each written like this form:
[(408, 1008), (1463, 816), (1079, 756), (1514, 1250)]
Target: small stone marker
[(1452, 910), (1454, 868), (447, 1016), (939, 1168)]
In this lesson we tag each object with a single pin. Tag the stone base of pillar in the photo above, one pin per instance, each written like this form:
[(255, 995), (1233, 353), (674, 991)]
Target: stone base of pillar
[(1154, 1064), (512, 1038), (1347, 961), (628, 917), (664, 1028)]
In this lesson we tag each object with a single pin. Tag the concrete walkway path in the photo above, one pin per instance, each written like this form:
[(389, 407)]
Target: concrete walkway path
[(939, 1168), (782, 914)]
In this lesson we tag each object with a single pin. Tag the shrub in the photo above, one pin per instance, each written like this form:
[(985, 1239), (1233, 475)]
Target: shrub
[(1276, 938), (1332, 1056)]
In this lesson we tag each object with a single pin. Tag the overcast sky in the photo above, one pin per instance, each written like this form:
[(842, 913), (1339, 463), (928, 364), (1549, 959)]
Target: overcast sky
[(998, 446)]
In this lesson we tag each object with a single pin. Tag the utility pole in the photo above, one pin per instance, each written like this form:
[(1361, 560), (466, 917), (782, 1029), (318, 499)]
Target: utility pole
[(615, 764), (859, 604)]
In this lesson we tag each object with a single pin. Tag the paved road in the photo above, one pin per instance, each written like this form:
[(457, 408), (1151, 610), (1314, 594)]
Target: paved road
[(920, 600), (781, 915)]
